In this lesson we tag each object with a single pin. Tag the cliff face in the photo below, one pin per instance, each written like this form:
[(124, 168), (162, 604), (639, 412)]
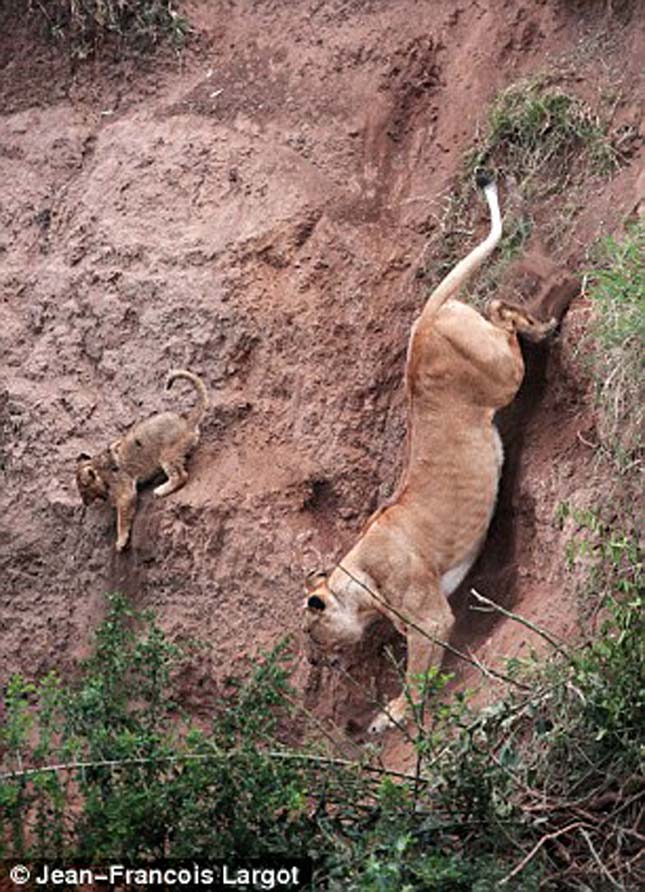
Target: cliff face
[(256, 210)]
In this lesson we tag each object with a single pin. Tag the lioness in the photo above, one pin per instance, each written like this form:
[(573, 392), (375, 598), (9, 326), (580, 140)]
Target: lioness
[(415, 551), (160, 443)]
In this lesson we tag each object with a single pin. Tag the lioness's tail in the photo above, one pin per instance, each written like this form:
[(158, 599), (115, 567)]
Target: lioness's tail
[(466, 267), (197, 413)]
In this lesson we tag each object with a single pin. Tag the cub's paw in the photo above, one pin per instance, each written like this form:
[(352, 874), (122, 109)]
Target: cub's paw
[(380, 724), (534, 329), (391, 717), (515, 319)]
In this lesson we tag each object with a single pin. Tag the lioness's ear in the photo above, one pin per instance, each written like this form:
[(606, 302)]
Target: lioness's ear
[(83, 456), (314, 578), (316, 603)]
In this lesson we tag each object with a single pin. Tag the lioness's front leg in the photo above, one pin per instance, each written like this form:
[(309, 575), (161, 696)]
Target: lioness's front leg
[(424, 652)]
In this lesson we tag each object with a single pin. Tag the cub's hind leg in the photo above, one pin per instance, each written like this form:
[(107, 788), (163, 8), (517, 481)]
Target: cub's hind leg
[(173, 463)]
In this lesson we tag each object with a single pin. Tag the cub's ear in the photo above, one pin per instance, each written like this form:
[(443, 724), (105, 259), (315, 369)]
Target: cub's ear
[(83, 456), (316, 603)]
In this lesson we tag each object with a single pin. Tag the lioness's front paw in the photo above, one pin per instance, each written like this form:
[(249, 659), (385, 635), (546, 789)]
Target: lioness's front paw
[(121, 543)]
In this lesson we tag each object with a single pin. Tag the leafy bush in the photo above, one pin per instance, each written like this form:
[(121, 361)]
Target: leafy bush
[(542, 790), (144, 781)]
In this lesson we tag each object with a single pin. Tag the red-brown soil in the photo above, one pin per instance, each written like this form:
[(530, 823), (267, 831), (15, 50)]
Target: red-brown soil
[(256, 209)]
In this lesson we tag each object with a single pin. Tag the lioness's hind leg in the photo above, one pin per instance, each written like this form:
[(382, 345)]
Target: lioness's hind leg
[(177, 476), (512, 318)]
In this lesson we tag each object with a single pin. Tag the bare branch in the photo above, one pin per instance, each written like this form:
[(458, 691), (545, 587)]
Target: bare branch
[(203, 757), (491, 605), (536, 848), (596, 858)]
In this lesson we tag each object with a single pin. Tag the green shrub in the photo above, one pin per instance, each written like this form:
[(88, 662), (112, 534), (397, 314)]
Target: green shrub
[(559, 759), (145, 782), (616, 288), (109, 769), (88, 22)]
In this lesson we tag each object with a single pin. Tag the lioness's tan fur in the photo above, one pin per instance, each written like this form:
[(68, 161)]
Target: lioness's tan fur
[(159, 443), (416, 550)]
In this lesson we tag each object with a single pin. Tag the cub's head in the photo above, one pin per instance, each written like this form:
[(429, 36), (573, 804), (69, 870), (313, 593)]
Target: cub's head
[(330, 621), (91, 485)]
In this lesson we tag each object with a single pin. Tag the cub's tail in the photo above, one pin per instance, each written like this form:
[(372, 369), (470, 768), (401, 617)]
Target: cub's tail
[(467, 266), (197, 413)]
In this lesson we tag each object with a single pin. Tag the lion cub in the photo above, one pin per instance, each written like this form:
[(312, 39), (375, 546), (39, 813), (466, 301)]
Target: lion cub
[(160, 443)]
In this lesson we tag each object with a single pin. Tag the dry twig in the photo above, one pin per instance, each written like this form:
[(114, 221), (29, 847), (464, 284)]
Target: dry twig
[(491, 605), (536, 848)]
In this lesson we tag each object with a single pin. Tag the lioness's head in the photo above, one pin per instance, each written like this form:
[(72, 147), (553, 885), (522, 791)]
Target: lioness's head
[(91, 485), (331, 620)]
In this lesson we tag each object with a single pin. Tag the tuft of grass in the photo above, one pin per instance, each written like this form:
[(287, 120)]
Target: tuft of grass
[(536, 134), (538, 140), (603, 555), (616, 288), (86, 23)]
